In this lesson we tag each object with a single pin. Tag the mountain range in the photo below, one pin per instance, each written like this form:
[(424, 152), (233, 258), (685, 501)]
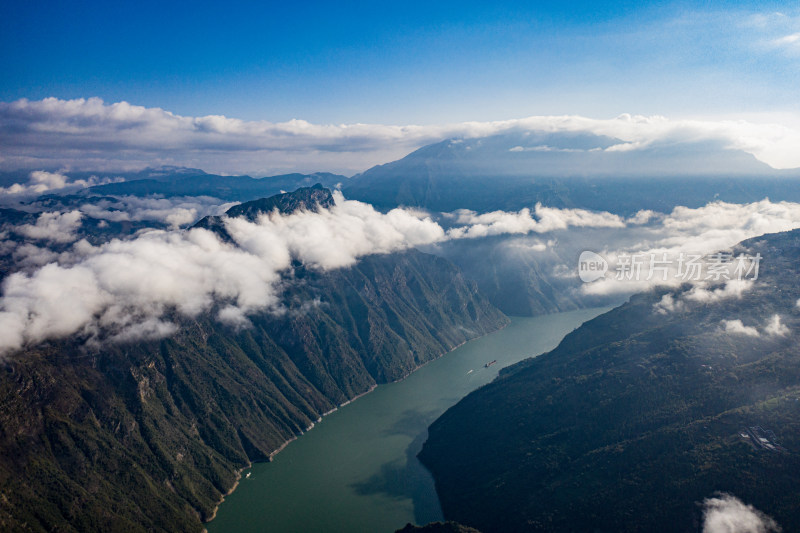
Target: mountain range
[(148, 435), (514, 170), (635, 406), (236, 188), (506, 171), (639, 415)]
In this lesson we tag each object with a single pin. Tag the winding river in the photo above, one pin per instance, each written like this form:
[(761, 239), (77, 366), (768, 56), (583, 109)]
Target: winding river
[(357, 469)]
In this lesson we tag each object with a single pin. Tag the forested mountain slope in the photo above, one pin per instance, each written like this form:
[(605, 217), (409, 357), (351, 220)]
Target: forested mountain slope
[(147, 435), (639, 415)]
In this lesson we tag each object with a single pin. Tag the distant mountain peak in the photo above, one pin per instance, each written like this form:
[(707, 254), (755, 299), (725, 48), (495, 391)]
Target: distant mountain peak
[(303, 199), (517, 169)]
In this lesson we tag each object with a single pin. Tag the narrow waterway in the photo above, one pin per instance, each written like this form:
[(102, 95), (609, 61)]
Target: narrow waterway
[(357, 469)]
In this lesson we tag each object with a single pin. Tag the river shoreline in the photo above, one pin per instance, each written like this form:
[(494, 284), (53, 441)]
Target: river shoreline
[(228, 493), (359, 471), (343, 404)]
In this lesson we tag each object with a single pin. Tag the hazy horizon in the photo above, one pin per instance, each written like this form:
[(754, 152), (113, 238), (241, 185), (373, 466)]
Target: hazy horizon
[(270, 88)]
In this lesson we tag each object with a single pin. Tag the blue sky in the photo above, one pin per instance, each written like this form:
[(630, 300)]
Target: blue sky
[(409, 62)]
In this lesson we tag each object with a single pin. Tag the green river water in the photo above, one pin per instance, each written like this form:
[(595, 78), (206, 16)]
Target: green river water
[(356, 470)]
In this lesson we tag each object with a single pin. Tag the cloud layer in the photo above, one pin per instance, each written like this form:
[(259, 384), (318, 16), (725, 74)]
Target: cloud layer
[(546, 219), (88, 133), (124, 288), (175, 211), (40, 182), (53, 227), (701, 231)]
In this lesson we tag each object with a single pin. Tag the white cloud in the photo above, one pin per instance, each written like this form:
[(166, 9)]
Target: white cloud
[(787, 40), (123, 284), (734, 288), (727, 514), (335, 238), (233, 316), (642, 217), (627, 147), (719, 225), (546, 219), (122, 289), (89, 133), (533, 245), (701, 293), (32, 255), (176, 211), (775, 327), (47, 180), (40, 182), (543, 148), (148, 329), (690, 231), (669, 304), (737, 327), (53, 227)]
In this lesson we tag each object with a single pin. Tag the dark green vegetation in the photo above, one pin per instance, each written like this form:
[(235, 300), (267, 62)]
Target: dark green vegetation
[(148, 436), (636, 418)]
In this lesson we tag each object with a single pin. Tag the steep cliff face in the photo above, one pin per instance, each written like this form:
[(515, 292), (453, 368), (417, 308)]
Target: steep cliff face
[(638, 416), (148, 436)]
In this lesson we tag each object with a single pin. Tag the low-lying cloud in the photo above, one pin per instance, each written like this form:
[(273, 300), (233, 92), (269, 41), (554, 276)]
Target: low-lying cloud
[(733, 288), (737, 327), (728, 514), (174, 212), (123, 289), (703, 293), (685, 233), (40, 182), (546, 219), (53, 227), (91, 134), (775, 327)]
